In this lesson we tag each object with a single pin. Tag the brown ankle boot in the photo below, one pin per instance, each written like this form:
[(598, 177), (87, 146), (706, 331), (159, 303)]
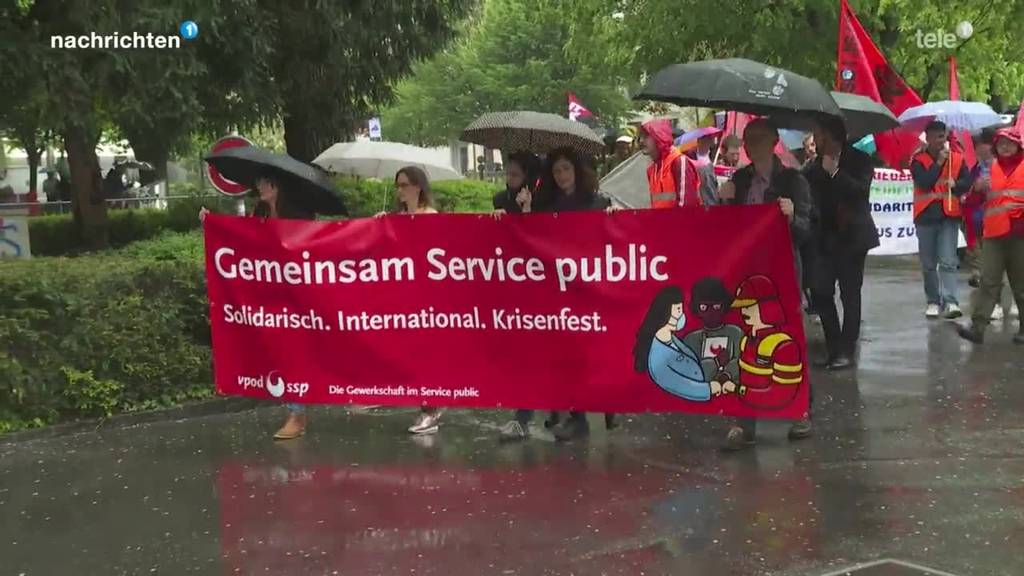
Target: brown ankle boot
[(294, 427)]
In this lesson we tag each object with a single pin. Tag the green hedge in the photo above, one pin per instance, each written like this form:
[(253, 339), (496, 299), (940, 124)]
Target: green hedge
[(103, 333), (56, 235), (368, 197)]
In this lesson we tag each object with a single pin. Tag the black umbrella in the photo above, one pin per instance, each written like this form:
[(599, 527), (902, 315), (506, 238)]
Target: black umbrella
[(864, 116), (306, 185), (535, 132), (861, 115), (740, 85)]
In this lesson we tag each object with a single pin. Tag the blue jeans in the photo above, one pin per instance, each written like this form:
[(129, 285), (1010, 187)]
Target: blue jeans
[(296, 408), (936, 245)]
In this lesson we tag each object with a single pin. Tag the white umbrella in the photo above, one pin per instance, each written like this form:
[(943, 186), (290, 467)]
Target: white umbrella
[(955, 114), (383, 159)]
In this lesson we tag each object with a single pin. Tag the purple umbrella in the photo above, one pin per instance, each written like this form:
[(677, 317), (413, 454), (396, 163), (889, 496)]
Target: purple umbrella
[(696, 134)]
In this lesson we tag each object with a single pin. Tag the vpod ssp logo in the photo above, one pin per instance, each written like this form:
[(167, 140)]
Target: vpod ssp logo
[(277, 386)]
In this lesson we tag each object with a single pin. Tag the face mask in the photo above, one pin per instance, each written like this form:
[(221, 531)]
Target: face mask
[(681, 323)]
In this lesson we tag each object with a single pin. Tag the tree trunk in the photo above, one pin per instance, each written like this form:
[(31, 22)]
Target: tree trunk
[(87, 199), (35, 155)]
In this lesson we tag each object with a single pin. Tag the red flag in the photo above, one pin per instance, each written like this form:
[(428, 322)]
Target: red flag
[(963, 138), (577, 111), (861, 68)]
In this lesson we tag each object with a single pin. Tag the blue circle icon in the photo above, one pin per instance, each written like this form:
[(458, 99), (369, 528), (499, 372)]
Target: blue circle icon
[(189, 30)]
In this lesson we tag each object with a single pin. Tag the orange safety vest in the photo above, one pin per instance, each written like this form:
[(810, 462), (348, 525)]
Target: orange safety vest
[(1005, 201), (662, 183), (940, 192)]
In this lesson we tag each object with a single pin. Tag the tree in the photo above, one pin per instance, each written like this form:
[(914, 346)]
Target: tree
[(335, 61), (800, 35), (24, 122), (212, 83), (515, 57), (60, 85)]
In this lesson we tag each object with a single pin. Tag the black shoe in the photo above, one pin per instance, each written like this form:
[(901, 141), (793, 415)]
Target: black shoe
[(841, 362), (970, 334), (800, 430), (573, 428), (1018, 338), (610, 422)]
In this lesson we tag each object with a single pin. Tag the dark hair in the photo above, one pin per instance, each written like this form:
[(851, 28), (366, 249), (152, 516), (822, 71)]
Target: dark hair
[(586, 177), (834, 127), (286, 207), (987, 136), (657, 315), (709, 290), (530, 164), (935, 126), (731, 141), (417, 177)]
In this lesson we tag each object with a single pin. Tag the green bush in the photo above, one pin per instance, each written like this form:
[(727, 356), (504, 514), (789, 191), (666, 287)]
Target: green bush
[(103, 333), (56, 235), (367, 197)]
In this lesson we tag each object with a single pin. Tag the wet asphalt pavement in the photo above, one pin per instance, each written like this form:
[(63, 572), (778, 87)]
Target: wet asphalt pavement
[(917, 456)]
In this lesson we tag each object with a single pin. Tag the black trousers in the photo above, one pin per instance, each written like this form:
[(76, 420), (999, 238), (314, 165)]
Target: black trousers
[(848, 271)]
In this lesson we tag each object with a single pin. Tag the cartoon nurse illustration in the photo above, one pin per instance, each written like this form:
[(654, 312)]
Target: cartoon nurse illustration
[(670, 363)]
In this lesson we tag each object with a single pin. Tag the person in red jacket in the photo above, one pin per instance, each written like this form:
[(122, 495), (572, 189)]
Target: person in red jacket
[(665, 179), (1003, 229)]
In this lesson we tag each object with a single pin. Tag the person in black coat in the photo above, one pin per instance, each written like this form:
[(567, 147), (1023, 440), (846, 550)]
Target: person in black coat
[(767, 181), (522, 171), (840, 181), (568, 184)]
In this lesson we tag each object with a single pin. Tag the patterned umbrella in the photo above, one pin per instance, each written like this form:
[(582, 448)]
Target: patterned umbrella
[(534, 132)]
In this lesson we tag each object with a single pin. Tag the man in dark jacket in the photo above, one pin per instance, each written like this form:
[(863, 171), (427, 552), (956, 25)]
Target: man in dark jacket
[(766, 181), (840, 181)]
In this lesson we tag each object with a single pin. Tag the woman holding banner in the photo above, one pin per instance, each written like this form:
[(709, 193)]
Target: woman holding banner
[(412, 191), (569, 184), (274, 202)]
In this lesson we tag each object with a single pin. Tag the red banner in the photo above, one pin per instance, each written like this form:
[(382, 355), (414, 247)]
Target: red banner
[(861, 68), (689, 310)]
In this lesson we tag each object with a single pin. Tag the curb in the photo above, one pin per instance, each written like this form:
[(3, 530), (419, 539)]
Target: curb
[(191, 410)]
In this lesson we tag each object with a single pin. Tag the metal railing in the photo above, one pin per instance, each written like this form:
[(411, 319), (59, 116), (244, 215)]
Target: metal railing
[(126, 203)]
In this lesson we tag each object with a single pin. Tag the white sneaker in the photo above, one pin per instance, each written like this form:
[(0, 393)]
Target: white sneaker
[(997, 313), (932, 311), (426, 423), (953, 311), (1014, 311)]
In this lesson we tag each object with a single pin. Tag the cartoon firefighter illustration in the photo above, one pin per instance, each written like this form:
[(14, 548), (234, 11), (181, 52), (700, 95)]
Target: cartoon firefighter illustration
[(771, 362)]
